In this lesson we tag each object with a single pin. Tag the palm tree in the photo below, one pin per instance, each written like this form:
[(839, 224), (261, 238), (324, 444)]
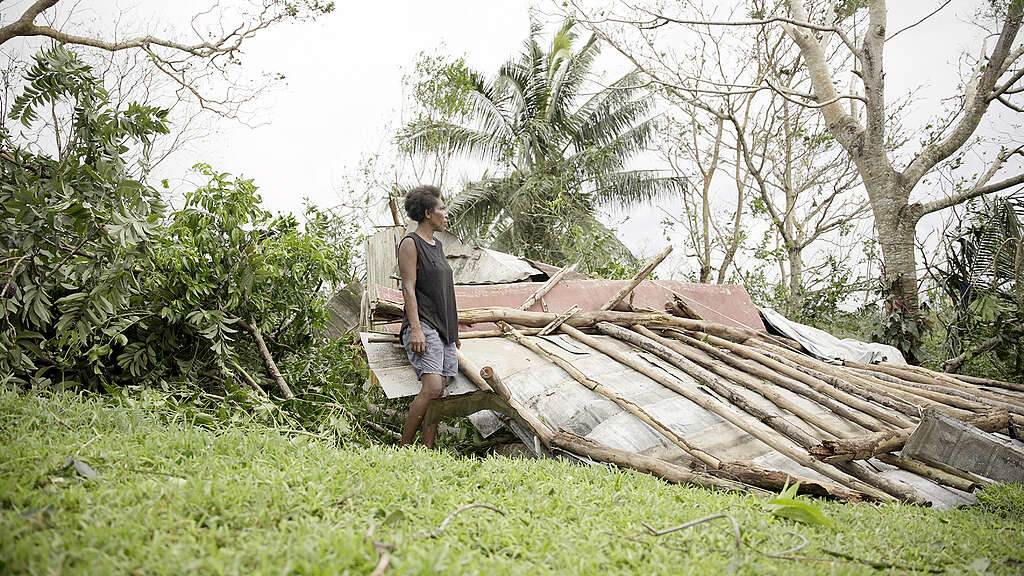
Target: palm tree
[(557, 157)]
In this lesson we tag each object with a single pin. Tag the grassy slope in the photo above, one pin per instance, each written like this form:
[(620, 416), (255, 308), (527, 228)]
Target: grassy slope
[(250, 499)]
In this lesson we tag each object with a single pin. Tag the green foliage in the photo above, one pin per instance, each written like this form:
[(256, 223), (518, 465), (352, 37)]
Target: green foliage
[(786, 505), (76, 230), (440, 87), (174, 496), (557, 157), (981, 278), (223, 258), (100, 288)]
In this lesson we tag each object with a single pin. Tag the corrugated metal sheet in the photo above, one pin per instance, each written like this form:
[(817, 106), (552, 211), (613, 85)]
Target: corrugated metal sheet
[(564, 403), (470, 265)]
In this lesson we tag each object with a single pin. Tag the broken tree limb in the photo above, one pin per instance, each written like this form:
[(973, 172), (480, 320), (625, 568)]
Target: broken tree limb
[(623, 403), (268, 360), (667, 471), (644, 273), (776, 422), (547, 286), (740, 419), (871, 445), (955, 363), (826, 398)]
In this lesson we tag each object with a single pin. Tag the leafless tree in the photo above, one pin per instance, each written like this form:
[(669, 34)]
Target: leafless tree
[(737, 90), (861, 120), (215, 48)]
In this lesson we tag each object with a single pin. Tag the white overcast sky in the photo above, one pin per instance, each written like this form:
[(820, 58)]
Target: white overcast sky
[(344, 77)]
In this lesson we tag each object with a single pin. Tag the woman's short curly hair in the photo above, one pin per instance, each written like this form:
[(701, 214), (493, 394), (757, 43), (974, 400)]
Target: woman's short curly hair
[(420, 199)]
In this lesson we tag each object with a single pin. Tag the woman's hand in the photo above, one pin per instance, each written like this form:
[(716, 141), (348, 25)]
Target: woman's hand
[(418, 341)]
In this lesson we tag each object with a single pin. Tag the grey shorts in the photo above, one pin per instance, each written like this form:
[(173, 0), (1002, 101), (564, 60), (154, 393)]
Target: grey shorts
[(440, 358)]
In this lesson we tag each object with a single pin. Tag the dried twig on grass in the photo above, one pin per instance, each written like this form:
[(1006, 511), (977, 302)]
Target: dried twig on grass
[(736, 534), (381, 549), (441, 528), (62, 423)]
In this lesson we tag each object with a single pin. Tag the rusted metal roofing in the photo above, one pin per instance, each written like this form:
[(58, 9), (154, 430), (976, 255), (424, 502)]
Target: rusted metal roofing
[(725, 304)]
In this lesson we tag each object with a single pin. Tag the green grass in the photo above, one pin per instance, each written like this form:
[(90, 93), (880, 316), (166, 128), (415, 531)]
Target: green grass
[(174, 498)]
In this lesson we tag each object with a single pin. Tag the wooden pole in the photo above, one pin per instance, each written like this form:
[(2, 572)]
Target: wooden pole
[(739, 419), (754, 475), (989, 382), (542, 430), (644, 273), (824, 396), (699, 357), (775, 423), (815, 383), (937, 386), (930, 472), (627, 405), (548, 286), (879, 387), (492, 379), (667, 471), (394, 211)]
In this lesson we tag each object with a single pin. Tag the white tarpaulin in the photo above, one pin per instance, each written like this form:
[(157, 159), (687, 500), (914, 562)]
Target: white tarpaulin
[(828, 347)]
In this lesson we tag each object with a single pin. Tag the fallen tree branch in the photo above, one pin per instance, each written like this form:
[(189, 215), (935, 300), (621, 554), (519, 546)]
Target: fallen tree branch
[(268, 360), (871, 445)]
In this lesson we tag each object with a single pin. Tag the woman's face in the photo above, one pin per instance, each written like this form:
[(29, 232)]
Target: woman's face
[(438, 217)]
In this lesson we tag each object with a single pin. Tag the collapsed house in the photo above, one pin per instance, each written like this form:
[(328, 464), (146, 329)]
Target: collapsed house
[(694, 384)]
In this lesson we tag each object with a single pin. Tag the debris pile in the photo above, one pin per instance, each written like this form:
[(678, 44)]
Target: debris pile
[(670, 393)]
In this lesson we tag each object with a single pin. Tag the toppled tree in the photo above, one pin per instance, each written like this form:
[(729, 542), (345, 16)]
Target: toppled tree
[(99, 290)]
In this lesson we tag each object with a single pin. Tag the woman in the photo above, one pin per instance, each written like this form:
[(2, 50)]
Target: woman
[(430, 326)]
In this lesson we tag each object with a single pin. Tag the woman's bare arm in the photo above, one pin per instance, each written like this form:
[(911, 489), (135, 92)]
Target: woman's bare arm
[(407, 258)]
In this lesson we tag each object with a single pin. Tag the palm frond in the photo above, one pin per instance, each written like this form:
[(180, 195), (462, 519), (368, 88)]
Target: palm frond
[(624, 189), (425, 137)]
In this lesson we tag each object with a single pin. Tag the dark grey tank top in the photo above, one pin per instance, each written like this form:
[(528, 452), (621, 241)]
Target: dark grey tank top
[(435, 289)]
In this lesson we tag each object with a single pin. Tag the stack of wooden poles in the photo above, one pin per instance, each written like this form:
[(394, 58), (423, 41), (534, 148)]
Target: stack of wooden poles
[(885, 401)]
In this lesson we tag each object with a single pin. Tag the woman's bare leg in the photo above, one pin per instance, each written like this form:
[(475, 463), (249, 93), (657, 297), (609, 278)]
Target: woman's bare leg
[(432, 387)]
